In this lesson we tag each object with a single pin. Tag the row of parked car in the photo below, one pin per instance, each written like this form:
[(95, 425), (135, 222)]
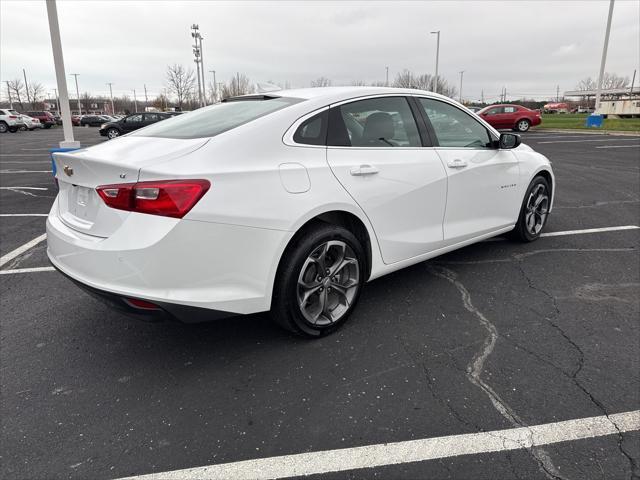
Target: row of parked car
[(12, 121)]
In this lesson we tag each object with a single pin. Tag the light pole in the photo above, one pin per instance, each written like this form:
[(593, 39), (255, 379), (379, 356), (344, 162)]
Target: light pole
[(57, 101), (113, 110), (77, 93), (58, 62), (386, 83), (215, 86), (195, 34), (135, 101), (435, 79), (461, 74), (202, 72), (604, 55), (26, 88)]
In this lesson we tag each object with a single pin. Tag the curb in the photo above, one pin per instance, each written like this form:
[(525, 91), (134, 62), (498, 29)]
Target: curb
[(587, 132)]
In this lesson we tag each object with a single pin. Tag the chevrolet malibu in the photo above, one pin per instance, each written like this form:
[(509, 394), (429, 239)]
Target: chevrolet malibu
[(288, 202)]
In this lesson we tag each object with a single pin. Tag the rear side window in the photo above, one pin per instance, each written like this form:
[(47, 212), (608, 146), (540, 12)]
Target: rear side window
[(510, 109), (211, 121), (313, 131), (383, 122)]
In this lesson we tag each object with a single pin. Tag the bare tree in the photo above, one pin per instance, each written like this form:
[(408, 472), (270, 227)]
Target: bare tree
[(358, 83), (609, 81), (36, 91), (407, 79), (239, 85), (16, 87), (321, 82), (180, 82)]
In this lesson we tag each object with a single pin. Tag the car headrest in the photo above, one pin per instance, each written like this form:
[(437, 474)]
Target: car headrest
[(378, 125)]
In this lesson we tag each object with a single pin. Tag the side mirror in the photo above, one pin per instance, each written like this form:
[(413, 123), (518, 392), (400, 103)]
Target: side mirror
[(509, 140)]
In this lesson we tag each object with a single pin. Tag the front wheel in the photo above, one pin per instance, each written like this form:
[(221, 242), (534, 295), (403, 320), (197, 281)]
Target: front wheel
[(319, 281), (113, 133), (523, 125), (534, 211), (4, 127)]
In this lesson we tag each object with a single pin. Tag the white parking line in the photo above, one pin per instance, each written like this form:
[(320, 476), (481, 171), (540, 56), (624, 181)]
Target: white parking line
[(24, 188), (589, 230), (27, 270), (599, 140), (618, 146), (25, 171), (384, 454), (20, 154), (24, 214), (20, 250)]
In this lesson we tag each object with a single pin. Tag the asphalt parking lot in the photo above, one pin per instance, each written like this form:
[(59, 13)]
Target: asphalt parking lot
[(493, 337)]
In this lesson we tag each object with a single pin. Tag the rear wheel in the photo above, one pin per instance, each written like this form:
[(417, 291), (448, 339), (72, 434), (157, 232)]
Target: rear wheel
[(523, 125), (3, 127), (534, 211), (47, 125), (319, 281), (113, 133)]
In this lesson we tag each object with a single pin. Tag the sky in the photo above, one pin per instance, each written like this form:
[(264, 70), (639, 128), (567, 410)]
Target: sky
[(529, 47)]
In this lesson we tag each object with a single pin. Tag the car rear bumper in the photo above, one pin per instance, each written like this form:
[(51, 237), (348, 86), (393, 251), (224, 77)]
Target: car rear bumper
[(173, 263)]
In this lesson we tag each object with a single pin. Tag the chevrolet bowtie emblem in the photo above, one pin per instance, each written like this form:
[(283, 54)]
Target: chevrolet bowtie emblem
[(68, 170)]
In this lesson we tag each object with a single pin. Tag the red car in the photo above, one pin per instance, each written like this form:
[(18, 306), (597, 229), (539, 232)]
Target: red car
[(514, 117), (46, 118)]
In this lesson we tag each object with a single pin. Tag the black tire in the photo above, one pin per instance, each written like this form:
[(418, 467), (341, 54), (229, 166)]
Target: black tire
[(113, 133), (286, 310), (522, 125), (4, 128), (23, 128), (521, 231), (47, 125)]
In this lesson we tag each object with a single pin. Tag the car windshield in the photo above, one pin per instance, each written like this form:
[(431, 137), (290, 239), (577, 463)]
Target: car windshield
[(213, 120)]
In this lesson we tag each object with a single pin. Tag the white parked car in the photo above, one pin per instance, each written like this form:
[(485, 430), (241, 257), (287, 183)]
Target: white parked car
[(29, 123), (288, 202), (9, 120)]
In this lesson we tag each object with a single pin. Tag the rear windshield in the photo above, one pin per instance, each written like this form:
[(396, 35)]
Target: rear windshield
[(211, 121)]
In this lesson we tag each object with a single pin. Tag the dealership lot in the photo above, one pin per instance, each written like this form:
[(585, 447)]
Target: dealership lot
[(493, 337)]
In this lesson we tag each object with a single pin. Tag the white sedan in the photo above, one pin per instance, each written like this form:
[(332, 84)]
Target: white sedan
[(288, 202)]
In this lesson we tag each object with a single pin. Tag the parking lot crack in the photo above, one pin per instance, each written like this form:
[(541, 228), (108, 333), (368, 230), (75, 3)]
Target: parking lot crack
[(476, 367), (573, 375)]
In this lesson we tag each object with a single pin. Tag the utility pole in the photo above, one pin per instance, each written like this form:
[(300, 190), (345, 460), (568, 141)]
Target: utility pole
[(604, 55), (482, 96), (215, 88), (633, 82), (113, 110), (386, 83), (26, 87), (557, 93), (135, 101), (461, 74), (435, 79), (202, 71), (9, 94), (77, 92), (237, 83), (57, 101), (145, 94), (61, 79)]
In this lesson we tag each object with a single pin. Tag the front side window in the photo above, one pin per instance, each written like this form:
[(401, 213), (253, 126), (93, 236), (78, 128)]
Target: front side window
[(453, 127), (494, 111), (216, 119), (376, 122), (151, 117)]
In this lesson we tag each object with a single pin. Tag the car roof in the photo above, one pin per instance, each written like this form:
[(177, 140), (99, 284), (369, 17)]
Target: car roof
[(336, 94)]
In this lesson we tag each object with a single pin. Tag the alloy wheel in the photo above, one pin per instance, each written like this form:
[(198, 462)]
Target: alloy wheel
[(537, 209), (328, 283), (3, 128), (113, 133), (523, 125)]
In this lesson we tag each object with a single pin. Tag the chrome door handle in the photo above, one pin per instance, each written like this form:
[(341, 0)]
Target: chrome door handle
[(457, 163), (363, 170)]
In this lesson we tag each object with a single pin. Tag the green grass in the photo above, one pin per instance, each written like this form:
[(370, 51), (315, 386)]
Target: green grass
[(577, 121)]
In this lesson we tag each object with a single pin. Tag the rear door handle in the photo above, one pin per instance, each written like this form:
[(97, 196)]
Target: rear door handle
[(456, 163), (363, 170)]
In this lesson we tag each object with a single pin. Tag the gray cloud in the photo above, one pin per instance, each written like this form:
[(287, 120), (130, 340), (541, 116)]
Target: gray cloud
[(527, 46)]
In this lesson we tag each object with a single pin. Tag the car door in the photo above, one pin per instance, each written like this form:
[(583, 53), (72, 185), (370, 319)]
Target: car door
[(482, 193), (377, 153), (510, 116), (493, 116), (132, 122)]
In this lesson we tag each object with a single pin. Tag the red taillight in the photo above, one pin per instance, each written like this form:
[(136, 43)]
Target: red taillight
[(168, 198), (12, 116), (141, 304)]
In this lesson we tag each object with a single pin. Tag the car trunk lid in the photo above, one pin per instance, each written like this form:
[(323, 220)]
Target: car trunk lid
[(117, 161)]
